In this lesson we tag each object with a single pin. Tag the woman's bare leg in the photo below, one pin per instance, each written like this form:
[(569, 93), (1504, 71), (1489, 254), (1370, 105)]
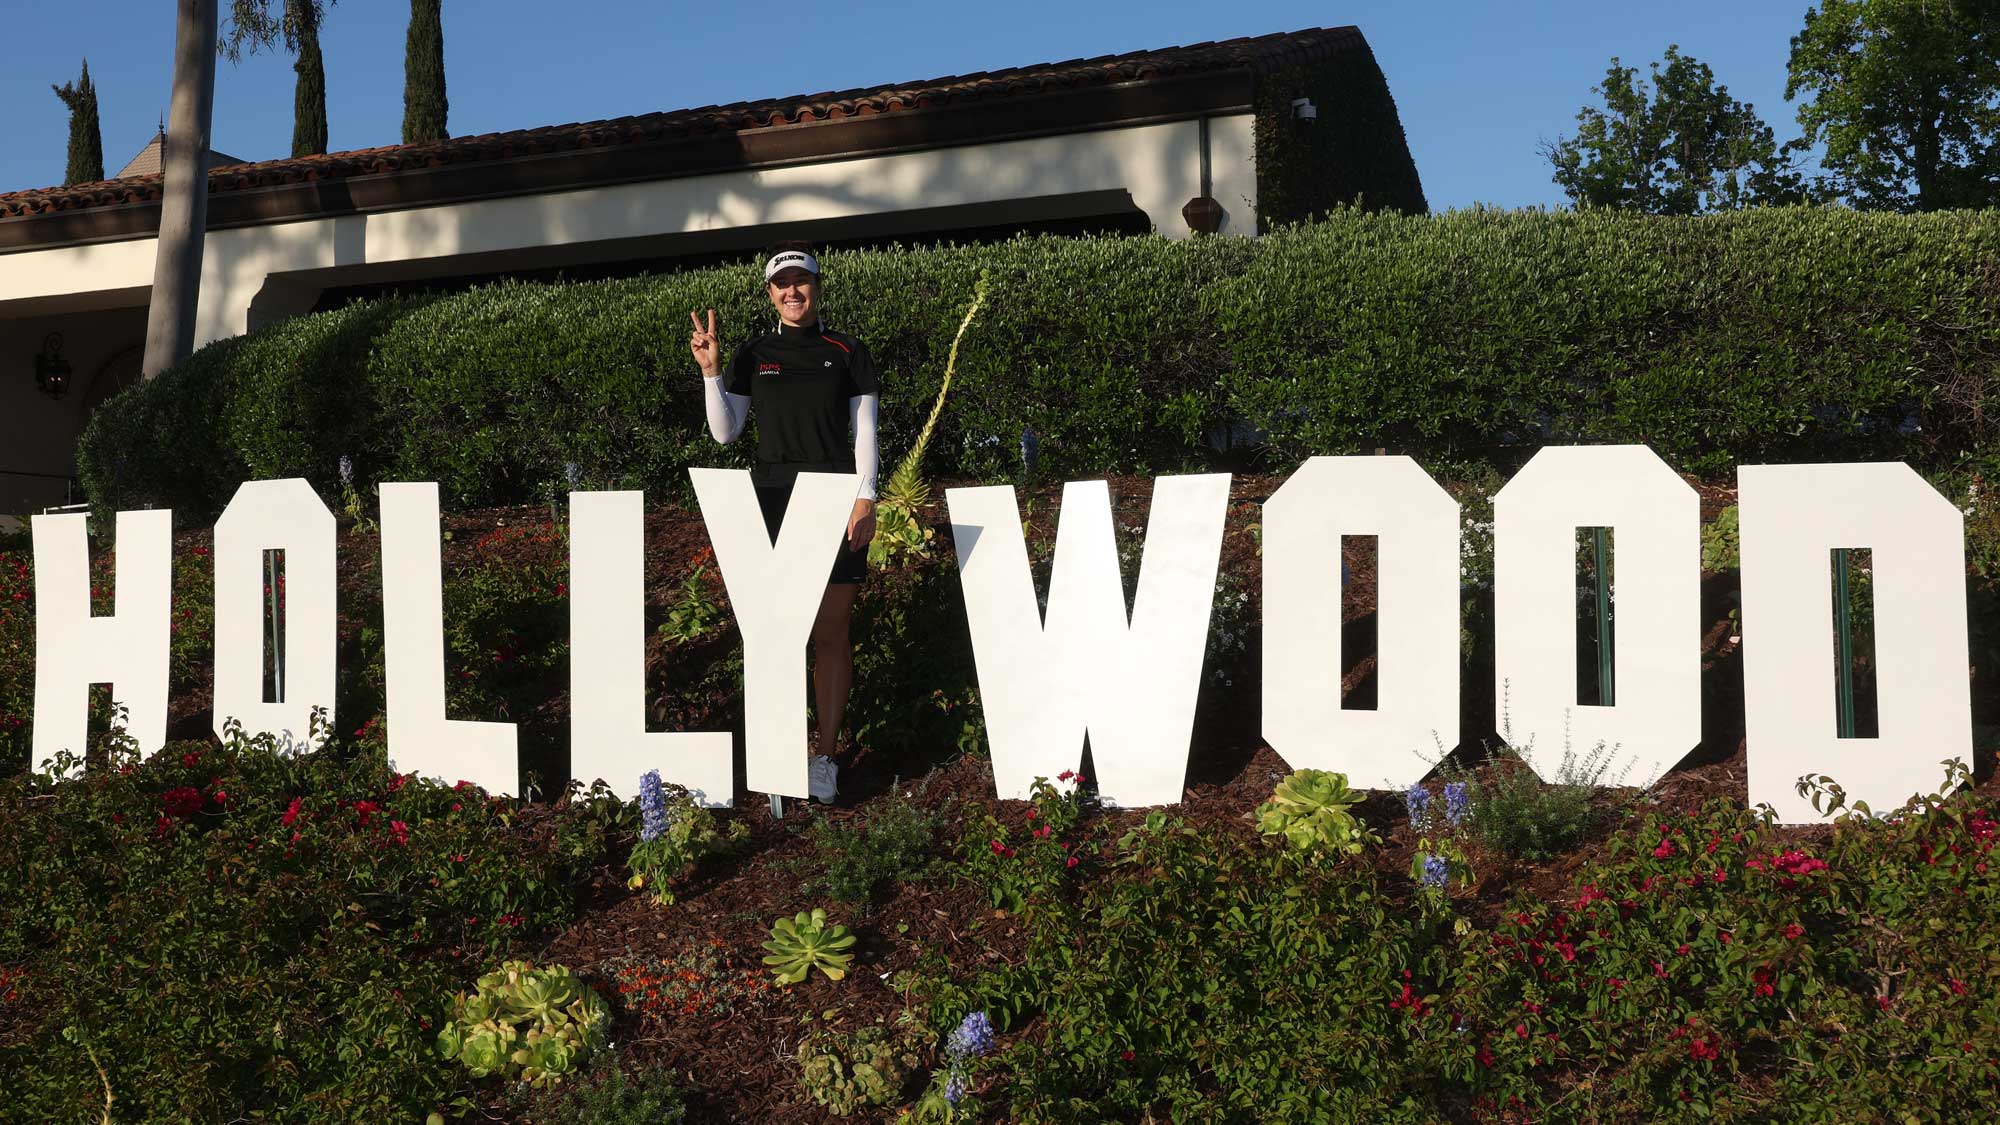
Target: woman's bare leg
[(833, 662)]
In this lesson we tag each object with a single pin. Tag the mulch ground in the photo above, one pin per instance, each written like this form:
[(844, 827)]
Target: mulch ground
[(738, 1065)]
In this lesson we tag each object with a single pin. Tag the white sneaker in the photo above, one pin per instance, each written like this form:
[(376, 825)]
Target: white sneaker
[(822, 776)]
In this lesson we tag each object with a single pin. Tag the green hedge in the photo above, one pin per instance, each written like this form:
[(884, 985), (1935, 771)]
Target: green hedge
[(1794, 334)]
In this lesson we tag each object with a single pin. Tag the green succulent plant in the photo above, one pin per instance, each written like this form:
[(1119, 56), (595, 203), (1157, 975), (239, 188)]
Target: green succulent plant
[(869, 1067), (1310, 810), (804, 942), (527, 1023)]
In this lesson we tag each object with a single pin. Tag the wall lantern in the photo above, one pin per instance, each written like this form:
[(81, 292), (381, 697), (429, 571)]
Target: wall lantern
[(51, 369), (1203, 215)]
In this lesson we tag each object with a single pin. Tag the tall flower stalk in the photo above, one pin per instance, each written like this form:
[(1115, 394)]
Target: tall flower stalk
[(896, 528)]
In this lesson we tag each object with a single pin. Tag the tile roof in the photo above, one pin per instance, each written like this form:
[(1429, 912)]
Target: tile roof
[(1257, 54)]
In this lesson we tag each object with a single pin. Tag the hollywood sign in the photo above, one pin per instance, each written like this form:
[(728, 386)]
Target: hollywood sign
[(1084, 665)]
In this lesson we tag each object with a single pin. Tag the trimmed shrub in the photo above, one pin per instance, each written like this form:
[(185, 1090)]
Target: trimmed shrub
[(1781, 334)]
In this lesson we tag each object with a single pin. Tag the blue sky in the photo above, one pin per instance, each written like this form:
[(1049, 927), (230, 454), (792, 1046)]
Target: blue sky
[(1478, 84)]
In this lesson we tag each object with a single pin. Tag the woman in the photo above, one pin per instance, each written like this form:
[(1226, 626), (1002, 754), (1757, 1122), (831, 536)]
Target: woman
[(810, 387)]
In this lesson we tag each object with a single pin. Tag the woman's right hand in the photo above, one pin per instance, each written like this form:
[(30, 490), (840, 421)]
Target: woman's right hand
[(702, 342)]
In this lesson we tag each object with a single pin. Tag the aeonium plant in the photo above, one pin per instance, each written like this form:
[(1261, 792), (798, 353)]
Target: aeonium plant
[(807, 941), (1310, 809), (527, 1023)]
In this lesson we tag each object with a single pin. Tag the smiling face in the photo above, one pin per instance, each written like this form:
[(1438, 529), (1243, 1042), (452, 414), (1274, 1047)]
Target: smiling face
[(795, 294)]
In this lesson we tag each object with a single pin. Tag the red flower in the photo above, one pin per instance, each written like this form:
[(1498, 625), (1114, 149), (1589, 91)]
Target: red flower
[(1071, 862), (1665, 849), (1794, 932), (291, 812), (1125, 1056), (400, 830), (1724, 937), (1521, 1029), (366, 810), (1681, 949), (1485, 1056), (1702, 1049), (1957, 987)]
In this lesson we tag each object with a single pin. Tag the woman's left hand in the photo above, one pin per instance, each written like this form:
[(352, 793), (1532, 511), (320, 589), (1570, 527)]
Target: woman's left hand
[(861, 524)]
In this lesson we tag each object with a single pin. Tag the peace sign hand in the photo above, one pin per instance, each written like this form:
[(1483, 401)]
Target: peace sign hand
[(702, 342)]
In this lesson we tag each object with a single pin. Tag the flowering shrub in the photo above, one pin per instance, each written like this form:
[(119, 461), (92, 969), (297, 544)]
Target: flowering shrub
[(1198, 981), (236, 929), (1706, 964), (1029, 860)]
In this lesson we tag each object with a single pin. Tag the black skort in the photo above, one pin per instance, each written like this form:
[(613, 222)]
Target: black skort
[(849, 566)]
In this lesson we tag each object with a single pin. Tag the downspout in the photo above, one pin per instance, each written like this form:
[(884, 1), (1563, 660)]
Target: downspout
[(1202, 213)]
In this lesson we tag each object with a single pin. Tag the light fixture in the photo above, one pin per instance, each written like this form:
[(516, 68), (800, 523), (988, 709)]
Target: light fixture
[(1304, 112), (51, 369)]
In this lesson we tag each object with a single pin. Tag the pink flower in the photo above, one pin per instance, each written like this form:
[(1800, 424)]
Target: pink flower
[(1071, 862), (1665, 849)]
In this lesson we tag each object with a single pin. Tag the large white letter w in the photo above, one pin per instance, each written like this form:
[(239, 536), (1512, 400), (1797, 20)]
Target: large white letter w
[(1130, 685)]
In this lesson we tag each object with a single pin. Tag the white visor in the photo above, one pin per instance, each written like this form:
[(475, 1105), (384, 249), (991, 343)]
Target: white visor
[(791, 259)]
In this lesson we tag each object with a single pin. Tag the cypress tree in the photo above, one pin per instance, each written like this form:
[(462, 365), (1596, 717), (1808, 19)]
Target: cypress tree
[(86, 143), (309, 93), (424, 102)]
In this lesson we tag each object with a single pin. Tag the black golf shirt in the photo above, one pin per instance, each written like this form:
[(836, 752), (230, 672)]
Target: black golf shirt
[(798, 381)]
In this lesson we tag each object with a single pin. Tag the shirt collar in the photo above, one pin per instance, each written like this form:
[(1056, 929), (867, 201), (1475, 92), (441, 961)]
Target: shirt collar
[(813, 329)]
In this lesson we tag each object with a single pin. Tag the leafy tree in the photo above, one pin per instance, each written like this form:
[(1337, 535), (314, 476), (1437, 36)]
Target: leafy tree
[(1905, 94), (424, 103), (86, 142), (1680, 147)]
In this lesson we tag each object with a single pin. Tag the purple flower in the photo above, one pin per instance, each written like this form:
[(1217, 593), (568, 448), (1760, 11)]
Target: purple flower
[(955, 1087), (347, 470), (652, 806), (1418, 799), (1435, 870), (1457, 803), (973, 1038)]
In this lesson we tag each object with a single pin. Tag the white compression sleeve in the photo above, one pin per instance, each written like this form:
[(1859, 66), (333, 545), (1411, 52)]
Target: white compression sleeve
[(726, 411), (867, 459)]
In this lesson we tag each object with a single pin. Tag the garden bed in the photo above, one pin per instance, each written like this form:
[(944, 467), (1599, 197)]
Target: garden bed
[(690, 1000)]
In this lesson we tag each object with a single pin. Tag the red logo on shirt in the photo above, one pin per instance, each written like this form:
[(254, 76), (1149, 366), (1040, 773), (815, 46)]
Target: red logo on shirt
[(768, 369)]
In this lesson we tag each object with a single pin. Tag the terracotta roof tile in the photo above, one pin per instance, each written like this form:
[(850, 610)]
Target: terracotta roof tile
[(1260, 53)]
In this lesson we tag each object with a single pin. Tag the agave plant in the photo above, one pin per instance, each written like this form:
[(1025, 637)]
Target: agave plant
[(533, 1024), (804, 942), (906, 491), (1310, 810)]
